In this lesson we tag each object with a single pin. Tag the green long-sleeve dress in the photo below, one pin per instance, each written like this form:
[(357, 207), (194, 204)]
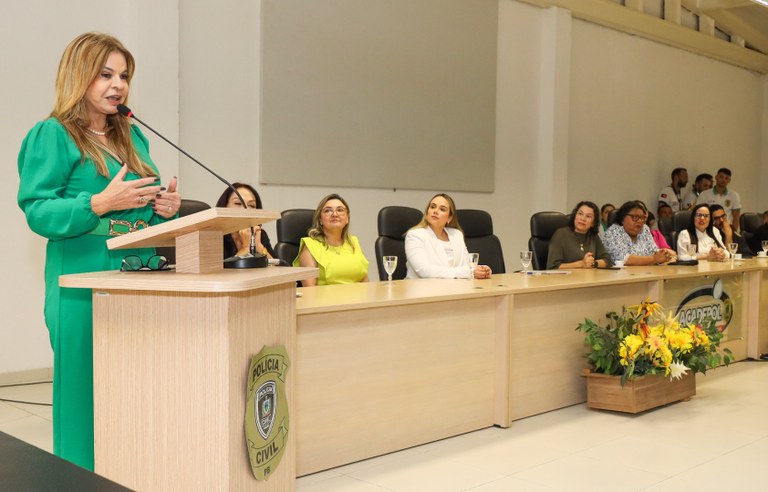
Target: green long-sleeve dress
[(55, 194)]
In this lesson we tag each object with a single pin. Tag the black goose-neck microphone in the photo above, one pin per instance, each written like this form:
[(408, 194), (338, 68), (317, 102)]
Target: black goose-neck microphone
[(255, 260)]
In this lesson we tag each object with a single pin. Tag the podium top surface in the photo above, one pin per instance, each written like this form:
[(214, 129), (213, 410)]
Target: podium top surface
[(170, 281), (224, 220)]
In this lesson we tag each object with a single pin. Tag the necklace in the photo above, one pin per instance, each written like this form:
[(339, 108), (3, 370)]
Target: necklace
[(96, 132)]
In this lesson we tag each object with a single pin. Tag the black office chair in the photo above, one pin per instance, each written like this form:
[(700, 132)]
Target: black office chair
[(292, 225), (479, 238), (680, 220), (665, 227), (187, 207), (749, 222), (393, 222), (543, 225)]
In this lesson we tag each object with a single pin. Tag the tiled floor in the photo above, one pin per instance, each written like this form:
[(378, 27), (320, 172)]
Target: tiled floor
[(716, 441)]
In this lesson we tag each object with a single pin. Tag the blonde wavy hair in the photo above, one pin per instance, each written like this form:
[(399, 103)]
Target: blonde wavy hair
[(82, 61), (316, 231), (452, 222)]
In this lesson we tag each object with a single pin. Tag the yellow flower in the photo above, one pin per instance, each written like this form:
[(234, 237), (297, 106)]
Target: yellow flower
[(646, 308), (658, 351), (629, 347), (680, 340), (699, 336)]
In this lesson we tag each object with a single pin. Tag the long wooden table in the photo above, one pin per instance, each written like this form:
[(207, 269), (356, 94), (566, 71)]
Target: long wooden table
[(381, 367)]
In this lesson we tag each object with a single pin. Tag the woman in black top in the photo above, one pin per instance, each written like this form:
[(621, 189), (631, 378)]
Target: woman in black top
[(578, 245), (238, 243)]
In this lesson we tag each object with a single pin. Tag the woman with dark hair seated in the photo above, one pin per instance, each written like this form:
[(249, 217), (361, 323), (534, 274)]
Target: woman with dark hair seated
[(578, 245), (630, 241), (702, 233), (330, 247), (239, 243)]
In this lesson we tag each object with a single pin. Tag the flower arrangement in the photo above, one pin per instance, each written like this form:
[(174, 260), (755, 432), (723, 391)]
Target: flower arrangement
[(641, 340)]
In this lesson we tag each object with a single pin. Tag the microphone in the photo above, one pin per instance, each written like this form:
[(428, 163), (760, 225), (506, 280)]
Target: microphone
[(255, 260)]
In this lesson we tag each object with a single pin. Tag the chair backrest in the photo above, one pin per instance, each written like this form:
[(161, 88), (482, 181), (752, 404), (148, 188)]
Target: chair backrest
[(187, 207), (479, 238), (292, 225), (680, 220), (665, 227), (393, 222), (750, 221), (543, 225)]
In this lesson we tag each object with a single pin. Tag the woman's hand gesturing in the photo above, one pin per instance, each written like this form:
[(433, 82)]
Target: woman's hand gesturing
[(123, 195), (167, 203)]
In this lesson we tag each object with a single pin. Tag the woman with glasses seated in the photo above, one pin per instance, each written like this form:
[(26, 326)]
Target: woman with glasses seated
[(629, 240), (331, 248), (239, 243), (578, 245), (86, 175), (709, 243), (434, 248)]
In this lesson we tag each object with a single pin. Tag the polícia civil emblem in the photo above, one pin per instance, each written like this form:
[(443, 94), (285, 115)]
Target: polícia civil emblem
[(266, 410)]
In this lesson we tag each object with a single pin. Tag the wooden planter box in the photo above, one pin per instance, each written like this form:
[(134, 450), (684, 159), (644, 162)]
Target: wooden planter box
[(637, 395)]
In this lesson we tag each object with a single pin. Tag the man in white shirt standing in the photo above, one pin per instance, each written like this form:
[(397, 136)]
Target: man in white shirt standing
[(721, 195), (672, 195), (703, 182)]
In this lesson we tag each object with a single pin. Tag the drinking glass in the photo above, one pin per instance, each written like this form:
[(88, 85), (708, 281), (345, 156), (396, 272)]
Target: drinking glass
[(390, 264), (765, 246), (732, 248), (691, 250), (525, 259), (474, 260)]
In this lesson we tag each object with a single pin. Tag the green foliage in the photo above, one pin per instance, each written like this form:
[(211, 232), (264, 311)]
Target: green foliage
[(640, 341)]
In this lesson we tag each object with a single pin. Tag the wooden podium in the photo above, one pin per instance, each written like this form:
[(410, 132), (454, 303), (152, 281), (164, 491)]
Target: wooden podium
[(171, 354)]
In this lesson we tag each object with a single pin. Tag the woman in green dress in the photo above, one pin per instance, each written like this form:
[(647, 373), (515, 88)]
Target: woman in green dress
[(85, 175)]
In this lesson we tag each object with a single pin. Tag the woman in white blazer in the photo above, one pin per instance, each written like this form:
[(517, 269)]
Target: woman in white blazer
[(435, 247)]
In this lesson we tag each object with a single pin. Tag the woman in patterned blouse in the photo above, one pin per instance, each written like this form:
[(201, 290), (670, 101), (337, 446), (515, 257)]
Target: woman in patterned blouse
[(630, 240)]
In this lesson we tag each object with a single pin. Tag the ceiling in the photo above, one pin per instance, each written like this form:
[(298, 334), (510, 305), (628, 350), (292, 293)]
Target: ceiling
[(743, 18)]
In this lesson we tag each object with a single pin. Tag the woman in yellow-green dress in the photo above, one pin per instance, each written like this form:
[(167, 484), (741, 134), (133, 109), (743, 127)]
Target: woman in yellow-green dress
[(86, 175), (331, 248)]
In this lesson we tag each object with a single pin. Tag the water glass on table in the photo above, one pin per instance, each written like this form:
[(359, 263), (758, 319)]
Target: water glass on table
[(764, 244), (474, 260), (525, 259), (390, 265), (732, 248), (691, 251)]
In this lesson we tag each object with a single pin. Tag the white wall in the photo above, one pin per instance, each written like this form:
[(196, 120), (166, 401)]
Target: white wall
[(583, 112), (33, 35), (640, 109)]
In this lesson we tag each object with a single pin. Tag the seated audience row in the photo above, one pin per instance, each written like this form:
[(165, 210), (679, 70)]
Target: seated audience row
[(434, 248)]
